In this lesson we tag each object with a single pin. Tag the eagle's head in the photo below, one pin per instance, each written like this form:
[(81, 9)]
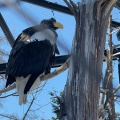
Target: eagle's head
[(52, 24)]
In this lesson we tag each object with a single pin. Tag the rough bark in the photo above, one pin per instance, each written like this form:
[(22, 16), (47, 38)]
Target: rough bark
[(82, 88)]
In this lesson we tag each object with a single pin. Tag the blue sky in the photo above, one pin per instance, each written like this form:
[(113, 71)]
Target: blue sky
[(17, 22)]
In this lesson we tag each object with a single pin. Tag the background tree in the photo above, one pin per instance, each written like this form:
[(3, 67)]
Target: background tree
[(82, 90)]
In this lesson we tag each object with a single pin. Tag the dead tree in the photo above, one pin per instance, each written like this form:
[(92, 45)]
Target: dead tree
[(82, 89)]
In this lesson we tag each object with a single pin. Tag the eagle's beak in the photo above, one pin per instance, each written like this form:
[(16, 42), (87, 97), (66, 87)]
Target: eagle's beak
[(58, 25)]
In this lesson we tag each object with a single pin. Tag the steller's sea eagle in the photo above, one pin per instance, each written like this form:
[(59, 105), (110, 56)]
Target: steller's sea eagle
[(32, 55)]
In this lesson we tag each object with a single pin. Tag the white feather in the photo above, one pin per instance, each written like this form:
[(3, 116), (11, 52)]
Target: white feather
[(45, 34), (20, 86)]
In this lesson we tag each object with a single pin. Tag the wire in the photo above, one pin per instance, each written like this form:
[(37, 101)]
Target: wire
[(61, 34), (53, 13), (64, 42)]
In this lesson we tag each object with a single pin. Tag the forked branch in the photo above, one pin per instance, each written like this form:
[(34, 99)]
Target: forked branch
[(72, 6)]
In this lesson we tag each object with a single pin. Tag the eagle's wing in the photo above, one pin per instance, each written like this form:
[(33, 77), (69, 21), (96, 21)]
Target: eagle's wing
[(29, 58)]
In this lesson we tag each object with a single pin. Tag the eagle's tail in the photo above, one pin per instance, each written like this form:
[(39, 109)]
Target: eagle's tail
[(10, 80), (21, 83), (30, 84)]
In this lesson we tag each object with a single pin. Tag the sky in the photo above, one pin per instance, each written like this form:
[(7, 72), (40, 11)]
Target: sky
[(18, 21)]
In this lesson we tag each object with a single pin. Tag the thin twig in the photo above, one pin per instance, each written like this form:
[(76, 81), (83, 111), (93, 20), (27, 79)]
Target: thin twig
[(105, 90), (111, 95), (38, 91), (2, 38), (28, 108), (117, 29), (116, 89), (8, 95), (10, 117), (41, 106), (117, 95)]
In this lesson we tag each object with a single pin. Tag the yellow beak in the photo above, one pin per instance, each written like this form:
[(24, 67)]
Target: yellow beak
[(58, 25)]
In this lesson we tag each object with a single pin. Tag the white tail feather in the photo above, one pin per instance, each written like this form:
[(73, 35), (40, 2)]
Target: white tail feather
[(20, 85)]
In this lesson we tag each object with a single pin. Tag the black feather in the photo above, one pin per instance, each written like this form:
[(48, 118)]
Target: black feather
[(30, 82), (10, 80), (32, 58)]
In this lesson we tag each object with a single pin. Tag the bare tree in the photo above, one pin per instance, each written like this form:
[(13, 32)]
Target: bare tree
[(82, 90)]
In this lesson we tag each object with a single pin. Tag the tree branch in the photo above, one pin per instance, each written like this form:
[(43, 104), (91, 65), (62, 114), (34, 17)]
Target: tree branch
[(115, 46), (111, 95), (45, 77), (116, 89), (105, 90), (71, 6), (10, 117), (8, 95), (102, 2), (57, 71), (116, 54), (107, 6), (8, 89), (28, 108)]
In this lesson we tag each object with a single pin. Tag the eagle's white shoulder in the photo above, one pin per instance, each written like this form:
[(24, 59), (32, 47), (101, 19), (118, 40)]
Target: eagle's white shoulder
[(45, 34)]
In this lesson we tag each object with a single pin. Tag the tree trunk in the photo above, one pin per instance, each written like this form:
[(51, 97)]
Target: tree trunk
[(81, 93)]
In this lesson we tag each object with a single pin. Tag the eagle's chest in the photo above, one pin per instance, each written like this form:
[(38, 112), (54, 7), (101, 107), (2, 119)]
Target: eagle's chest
[(42, 35)]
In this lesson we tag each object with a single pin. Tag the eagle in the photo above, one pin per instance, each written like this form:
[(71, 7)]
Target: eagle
[(32, 56)]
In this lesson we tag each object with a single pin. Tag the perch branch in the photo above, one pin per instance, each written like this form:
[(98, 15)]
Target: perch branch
[(8, 89), (57, 71), (45, 77)]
